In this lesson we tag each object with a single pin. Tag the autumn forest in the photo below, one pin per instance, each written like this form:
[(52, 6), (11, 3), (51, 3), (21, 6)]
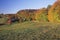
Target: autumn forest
[(49, 14)]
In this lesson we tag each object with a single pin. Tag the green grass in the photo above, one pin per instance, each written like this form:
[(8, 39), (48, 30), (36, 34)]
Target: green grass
[(3, 20), (30, 31)]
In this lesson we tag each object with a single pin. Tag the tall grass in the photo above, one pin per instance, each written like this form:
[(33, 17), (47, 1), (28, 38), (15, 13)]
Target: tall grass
[(30, 31)]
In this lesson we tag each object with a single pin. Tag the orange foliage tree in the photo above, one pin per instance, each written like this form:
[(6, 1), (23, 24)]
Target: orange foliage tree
[(27, 14)]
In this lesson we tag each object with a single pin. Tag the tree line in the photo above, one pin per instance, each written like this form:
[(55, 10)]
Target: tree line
[(49, 14)]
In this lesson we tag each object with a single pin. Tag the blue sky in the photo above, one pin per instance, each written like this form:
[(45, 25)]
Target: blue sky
[(12, 6)]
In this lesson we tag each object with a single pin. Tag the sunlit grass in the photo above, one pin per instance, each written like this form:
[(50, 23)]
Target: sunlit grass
[(30, 31)]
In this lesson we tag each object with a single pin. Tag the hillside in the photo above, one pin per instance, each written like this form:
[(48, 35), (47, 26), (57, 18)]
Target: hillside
[(30, 31), (32, 24)]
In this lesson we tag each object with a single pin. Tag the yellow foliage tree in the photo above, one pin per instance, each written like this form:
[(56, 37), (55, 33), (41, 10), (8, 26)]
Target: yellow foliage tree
[(54, 12), (41, 15)]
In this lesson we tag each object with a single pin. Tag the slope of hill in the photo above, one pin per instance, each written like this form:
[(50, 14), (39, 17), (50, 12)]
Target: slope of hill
[(30, 31)]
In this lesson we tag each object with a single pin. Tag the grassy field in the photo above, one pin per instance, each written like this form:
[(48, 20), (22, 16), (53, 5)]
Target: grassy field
[(30, 31)]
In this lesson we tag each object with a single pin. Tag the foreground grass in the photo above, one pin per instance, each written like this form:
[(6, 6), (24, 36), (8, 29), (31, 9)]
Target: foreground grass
[(30, 31)]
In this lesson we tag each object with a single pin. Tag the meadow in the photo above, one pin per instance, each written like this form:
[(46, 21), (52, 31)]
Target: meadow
[(31, 24), (30, 31)]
